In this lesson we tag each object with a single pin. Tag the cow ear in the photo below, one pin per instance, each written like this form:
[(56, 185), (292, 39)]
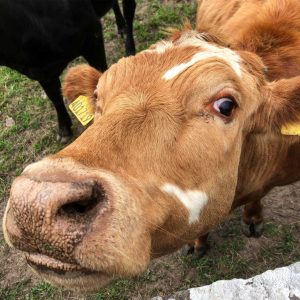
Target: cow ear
[(283, 103), (80, 80)]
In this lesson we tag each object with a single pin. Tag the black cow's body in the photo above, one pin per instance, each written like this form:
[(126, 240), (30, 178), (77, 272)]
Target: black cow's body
[(40, 37)]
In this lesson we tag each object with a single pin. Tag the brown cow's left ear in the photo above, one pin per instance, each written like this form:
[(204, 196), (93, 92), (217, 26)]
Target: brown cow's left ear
[(283, 103), (80, 80)]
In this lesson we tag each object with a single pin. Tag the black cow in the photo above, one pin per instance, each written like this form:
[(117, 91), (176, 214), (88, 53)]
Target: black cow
[(40, 37)]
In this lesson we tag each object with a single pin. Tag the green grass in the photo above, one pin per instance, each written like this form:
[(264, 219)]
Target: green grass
[(13, 292), (223, 260), (149, 24), (287, 248), (41, 291), (270, 229)]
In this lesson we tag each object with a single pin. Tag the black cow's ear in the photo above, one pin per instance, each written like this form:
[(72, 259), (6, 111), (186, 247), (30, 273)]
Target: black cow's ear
[(80, 80), (283, 103)]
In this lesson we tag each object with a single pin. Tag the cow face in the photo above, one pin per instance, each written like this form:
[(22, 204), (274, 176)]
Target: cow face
[(158, 166)]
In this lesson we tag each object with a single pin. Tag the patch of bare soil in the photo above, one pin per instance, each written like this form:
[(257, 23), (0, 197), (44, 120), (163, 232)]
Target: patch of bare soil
[(282, 204)]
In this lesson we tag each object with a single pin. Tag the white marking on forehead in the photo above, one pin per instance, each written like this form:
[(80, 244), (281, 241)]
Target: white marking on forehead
[(210, 51), (161, 47), (193, 200)]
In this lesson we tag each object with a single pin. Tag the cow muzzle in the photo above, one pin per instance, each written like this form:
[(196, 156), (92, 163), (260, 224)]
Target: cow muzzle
[(49, 214)]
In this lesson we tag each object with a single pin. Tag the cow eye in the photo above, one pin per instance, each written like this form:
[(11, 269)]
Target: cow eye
[(225, 106)]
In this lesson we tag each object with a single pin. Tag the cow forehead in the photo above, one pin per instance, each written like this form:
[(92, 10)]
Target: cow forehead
[(205, 51), (209, 52), (167, 59)]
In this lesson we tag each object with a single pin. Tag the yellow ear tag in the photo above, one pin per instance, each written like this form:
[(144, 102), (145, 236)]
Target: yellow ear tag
[(82, 109), (291, 129)]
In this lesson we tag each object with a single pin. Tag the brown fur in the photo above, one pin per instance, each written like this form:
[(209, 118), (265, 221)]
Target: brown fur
[(268, 28), (87, 77), (151, 130)]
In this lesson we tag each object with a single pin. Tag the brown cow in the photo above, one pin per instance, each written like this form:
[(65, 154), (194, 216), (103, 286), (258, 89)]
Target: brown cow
[(183, 132)]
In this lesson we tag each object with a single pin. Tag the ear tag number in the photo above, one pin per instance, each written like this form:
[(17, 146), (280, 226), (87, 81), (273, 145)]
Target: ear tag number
[(82, 109), (291, 129)]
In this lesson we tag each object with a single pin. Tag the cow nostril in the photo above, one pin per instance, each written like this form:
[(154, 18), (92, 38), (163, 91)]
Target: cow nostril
[(81, 206), (85, 205)]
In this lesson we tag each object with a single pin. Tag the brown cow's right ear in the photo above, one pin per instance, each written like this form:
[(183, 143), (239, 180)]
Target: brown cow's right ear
[(279, 106), (283, 105), (80, 80)]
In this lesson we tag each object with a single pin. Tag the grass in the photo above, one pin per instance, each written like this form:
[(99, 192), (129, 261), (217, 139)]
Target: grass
[(33, 136), (42, 290)]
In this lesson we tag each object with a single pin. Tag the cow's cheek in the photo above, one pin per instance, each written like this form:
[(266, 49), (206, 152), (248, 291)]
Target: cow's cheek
[(120, 245)]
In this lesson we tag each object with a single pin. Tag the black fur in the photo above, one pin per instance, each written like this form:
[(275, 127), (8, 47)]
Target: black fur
[(40, 37)]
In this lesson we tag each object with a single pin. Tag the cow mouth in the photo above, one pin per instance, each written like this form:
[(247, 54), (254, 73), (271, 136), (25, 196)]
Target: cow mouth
[(41, 262), (67, 275)]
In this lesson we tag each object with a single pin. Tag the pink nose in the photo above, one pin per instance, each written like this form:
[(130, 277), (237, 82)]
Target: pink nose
[(52, 217)]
